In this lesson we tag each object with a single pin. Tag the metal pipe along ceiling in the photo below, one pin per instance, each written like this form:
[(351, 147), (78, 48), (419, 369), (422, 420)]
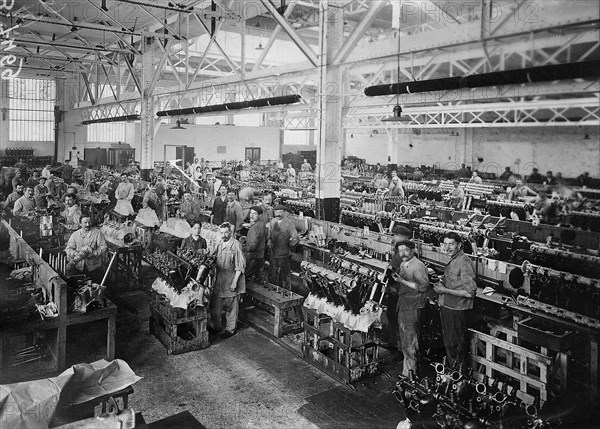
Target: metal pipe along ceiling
[(114, 119), (262, 102), (585, 69)]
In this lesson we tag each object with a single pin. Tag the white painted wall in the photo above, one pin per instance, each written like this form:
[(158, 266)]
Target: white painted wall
[(559, 149), (205, 140)]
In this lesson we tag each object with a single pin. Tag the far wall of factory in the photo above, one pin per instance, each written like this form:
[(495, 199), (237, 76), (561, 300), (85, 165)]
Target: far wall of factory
[(569, 150), (558, 149)]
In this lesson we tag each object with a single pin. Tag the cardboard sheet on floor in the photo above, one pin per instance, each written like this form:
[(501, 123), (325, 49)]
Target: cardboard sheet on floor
[(32, 404)]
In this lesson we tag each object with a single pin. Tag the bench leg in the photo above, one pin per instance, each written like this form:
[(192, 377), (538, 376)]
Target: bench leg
[(278, 325), (110, 337)]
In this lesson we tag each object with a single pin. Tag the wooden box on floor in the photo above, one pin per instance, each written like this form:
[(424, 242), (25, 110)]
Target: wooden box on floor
[(125, 273), (179, 330), (344, 354), (538, 374), (273, 319)]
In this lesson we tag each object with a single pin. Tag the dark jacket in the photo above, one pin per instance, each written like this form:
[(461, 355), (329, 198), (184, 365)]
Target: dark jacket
[(256, 241)]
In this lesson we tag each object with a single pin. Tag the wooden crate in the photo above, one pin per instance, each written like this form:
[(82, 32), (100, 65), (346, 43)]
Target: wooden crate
[(168, 333), (125, 273), (494, 357), (176, 315), (279, 301), (165, 242), (346, 355)]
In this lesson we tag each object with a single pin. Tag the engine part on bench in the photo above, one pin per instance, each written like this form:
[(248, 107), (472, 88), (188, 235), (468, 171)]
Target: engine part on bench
[(457, 400)]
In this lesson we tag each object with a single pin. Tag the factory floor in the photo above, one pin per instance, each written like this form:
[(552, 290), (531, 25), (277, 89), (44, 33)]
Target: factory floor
[(246, 381)]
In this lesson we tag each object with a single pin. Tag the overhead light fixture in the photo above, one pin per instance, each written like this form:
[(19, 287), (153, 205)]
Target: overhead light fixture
[(178, 126), (259, 47), (397, 112)]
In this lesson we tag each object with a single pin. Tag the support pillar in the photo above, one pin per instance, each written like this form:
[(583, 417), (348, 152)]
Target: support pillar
[(329, 126), (147, 107), (394, 136)]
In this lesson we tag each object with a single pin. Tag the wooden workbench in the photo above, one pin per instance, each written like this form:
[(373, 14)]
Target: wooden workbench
[(54, 330)]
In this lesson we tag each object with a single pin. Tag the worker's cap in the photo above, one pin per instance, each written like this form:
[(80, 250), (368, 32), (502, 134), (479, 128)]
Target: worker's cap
[(408, 243), (401, 230), (280, 207), (257, 209)]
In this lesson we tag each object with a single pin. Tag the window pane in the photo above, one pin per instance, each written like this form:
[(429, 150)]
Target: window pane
[(296, 137), (31, 109), (110, 132)]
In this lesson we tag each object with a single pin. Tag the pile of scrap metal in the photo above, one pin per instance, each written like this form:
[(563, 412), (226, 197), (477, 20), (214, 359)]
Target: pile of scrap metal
[(454, 399)]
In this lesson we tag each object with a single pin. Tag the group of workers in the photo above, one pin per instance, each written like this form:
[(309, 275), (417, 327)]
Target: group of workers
[(270, 235), (408, 292)]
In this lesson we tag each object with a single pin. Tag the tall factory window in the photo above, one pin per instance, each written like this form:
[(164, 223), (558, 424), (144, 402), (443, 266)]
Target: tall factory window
[(108, 132), (31, 110)]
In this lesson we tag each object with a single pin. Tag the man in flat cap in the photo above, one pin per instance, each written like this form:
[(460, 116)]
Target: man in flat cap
[(411, 282), (400, 233), (256, 240), (281, 236)]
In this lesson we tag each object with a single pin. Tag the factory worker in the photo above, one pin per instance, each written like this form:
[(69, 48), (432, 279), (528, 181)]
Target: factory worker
[(411, 282), (85, 249), (194, 241), (401, 233), (71, 213), (124, 195), (9, 203), (254, 249), (233, 211), (281, 236), (25, 204), (396, 188), (40, 193), (230, 282)]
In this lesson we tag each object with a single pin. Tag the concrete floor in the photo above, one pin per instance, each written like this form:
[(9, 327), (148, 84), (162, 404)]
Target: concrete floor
[(246, 381)]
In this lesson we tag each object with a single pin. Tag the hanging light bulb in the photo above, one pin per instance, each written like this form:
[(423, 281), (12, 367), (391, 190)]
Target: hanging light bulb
[(178, 125), (397, 112)]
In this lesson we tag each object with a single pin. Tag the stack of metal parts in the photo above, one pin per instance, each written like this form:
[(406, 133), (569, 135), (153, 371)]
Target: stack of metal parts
[(37, 351), (345, 284), (18, 296), (454, 399)]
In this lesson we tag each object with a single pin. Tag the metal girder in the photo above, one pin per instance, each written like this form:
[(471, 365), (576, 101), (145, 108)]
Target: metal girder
[(273, 37), (301, 44), (159, 69), (444, 40), (358, 32), (112, 110), (212, 40), (88, 88), (163, 24), (562, 112), (79, 24), (69, 46), (231, 64), (129, 64)]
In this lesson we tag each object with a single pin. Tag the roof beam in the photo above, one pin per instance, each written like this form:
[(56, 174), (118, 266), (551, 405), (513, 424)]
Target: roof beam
[(301, 44), (359, 31)]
